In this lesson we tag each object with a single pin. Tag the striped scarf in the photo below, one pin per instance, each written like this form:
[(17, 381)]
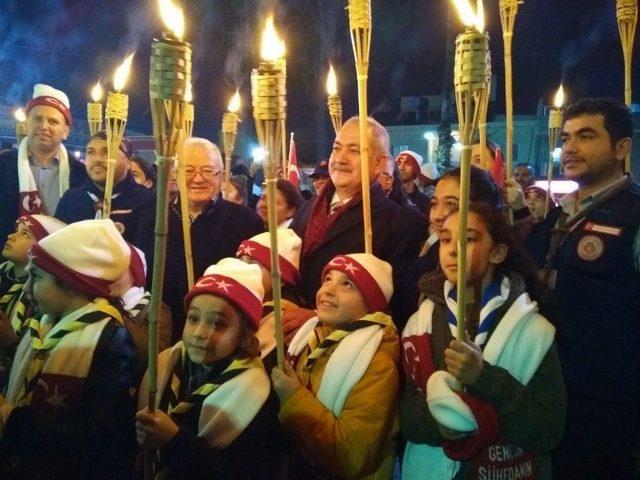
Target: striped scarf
[(141, 305), (235, 368), (20, 315), (318, 346), (90, 313), (8, 277)]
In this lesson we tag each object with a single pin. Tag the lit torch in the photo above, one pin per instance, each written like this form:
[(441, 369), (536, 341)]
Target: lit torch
[(21, 125), (94, 110), (360, 27), (555, 127), (334, 102), (116, 120), (508, 12), (268, 92), (230, 121), (627, 15), (471, 88), (169, 78)]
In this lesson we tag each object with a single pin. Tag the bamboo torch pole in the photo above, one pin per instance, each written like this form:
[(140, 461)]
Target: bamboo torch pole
[(21, 125), (627, 15), (94, 110), (168, 79), (334, 102), (268, 94), (360, 26), (470, 84), (116, 121), (555, 127), (508, 12), (185, 134), (230, 121)]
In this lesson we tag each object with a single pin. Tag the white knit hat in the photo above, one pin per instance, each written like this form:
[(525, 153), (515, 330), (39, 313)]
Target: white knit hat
[(88, 256), (414, 158), (372, 276), (40, 225), (258, 248), (50, 97), (236, 281)]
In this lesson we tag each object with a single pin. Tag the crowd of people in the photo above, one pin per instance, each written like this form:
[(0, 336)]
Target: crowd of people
[(376, 382)]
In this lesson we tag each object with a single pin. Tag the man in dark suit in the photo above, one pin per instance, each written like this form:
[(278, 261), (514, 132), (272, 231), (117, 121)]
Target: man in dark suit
[(217, 226), (333, 224)]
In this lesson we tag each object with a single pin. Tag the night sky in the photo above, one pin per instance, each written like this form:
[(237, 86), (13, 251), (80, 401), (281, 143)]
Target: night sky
[(72, 43)]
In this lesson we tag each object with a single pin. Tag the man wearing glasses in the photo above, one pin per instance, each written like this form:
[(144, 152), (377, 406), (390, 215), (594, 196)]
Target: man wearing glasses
[(217, 226)]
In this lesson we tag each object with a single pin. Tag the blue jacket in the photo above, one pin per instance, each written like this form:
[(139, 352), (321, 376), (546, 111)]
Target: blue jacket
[(130, 199)]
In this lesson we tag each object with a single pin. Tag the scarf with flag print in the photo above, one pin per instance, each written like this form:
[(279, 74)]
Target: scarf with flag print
[(351, 350), (43, 342), (518, 343), (11, 285), (224, 405)]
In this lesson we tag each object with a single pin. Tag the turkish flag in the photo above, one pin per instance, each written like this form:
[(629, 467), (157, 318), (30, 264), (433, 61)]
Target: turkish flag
[(56, 394), (292, 174)]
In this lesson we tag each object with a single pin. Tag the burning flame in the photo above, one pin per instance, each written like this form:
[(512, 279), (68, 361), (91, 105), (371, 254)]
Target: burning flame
[(96, 92), (19, 115), (558, 100), (480, 16), (172, 17), (272, 47), (466, 12), (332, 81), (188, 94), (122, 72), (234, 104)]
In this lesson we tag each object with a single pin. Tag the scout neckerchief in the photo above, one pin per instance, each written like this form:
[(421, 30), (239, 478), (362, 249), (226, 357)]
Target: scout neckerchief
[(235, 368), (141, 305), (20, 315), (90, 313), (319, 346), (10, 298), (98, 203)]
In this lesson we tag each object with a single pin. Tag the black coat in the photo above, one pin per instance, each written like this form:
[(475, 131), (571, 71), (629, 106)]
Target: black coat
[(126, 207), (397, 235), (10, 190), (215, 234)]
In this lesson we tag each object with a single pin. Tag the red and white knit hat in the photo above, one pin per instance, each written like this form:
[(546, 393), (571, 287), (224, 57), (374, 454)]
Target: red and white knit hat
[(371, 275), (258, 248), (40, 225), (414, 158), (233, 280), (50, 97), (89, 256), (136, 274)]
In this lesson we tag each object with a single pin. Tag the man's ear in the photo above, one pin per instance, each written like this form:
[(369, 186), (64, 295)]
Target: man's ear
[(66, 131), (498, 254), (377, 164), (623, 148)]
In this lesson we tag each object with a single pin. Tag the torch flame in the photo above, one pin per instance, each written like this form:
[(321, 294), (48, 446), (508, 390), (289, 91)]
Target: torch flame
[(122, 72), (19, 115), (558, 100), (188, 94), (96, 92), (480, 16), (272, 47), (172, 17), (234, 104), (332, 81), (466, 12)]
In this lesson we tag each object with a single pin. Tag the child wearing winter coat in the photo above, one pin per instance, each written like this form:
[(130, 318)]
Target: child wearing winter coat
[(216, 417), (339, 389), (258, 250), (509, 413), (68, 410)]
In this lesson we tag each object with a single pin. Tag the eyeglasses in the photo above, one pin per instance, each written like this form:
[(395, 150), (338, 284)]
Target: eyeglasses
[(206, 173)]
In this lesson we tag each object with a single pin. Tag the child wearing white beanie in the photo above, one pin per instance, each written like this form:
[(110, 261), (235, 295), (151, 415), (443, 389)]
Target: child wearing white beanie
[(68, 404), (339, 388)]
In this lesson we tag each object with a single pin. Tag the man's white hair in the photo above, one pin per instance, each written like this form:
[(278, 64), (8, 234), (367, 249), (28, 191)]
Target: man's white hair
[(207, 145)]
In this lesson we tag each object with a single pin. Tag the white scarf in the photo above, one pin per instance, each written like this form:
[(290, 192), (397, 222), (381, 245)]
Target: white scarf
[(30, 201), (518, 344), (347, 364)]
